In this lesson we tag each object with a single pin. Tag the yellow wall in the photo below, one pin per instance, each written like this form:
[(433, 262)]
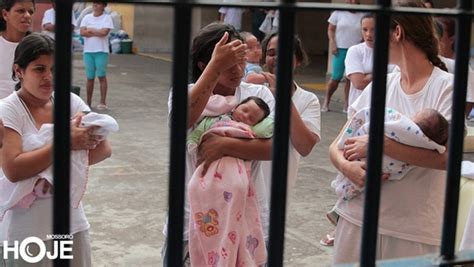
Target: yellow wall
[(127, 11)]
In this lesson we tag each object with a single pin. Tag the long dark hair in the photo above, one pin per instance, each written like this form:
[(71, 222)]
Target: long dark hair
[(204, 43), (7, 5), (420, 31), (31, 48)]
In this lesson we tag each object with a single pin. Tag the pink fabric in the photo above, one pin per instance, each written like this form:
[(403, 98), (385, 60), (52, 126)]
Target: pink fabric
[(225, 227), (218, 105)]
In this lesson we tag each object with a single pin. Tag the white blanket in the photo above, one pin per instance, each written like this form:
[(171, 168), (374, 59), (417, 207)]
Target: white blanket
[(22, 194), (397, 127)]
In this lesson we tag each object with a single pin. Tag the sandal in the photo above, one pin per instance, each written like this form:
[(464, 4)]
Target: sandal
[(102, 107), (328, 240)]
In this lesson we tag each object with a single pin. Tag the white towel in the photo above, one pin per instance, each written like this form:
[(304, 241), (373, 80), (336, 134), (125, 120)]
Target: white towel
[(13, 194), (467, 169)]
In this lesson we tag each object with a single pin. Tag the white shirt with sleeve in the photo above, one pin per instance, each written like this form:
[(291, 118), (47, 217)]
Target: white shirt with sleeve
[(412, 208), (37, 220), (232, 16), (7, 55), (470, 77), (359, 59), (308, 106), (50, 17), (95, 43), (347, 27), (242, 92)]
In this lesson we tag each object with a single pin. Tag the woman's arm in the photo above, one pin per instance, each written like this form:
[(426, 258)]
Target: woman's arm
[(301, 137), (99, 32), (223, 57), (85, 32), (332, 38), (354, 170), (214, 147), (420, 157), (100, 153), (356, 148), (19, 165), (360, 80)]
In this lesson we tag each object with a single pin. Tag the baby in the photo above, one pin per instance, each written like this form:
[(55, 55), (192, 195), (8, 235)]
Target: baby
[(250, 114), (254, 54), (225, 216), (22, 194), (426, 129)]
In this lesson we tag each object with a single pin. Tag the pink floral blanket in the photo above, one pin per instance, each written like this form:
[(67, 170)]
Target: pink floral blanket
[(225, 227)]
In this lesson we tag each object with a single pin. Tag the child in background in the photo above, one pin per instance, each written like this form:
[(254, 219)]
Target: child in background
[(95, 28), (254, 54)]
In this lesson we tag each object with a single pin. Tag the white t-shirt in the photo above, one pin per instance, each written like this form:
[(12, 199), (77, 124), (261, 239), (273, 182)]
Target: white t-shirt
[(470, 77), (233, 16), (411, 208), (243, 91), (347, 27), (50, 17), (359, 59), (7, 55), (309, 109), (95, 43), (19, 223)]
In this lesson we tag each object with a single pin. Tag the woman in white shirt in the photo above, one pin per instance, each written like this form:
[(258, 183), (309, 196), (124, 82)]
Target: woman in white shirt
[(409, 225), (16, 20), (23, 113)]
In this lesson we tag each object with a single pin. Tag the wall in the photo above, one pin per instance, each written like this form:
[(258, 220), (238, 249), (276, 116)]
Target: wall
[(128, 16)]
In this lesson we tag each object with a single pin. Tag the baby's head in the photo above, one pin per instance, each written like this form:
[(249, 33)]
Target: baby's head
[(251, 111), (433, 125), (254, 49)]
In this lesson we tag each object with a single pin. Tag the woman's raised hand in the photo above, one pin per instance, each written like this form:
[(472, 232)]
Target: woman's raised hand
[(82, 138), (226, 55)]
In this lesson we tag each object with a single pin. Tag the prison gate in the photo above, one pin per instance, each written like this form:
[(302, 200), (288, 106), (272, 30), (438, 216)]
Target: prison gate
[(182, 31)]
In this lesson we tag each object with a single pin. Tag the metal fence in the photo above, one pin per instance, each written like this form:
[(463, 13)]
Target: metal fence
[(182, 33)]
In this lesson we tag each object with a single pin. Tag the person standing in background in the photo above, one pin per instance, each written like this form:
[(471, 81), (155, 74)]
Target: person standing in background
[(95, 28), (343, 32), (15, 23), (49, 20)]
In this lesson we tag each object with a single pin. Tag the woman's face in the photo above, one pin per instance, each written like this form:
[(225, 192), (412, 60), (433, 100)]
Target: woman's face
[(446, 44), (367, 29), (37, 77), (232, 77), (98, 7), (20, 16), (271, 56)]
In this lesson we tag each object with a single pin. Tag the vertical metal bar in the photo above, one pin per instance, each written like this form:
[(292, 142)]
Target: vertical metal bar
[(376, 133), (280, 141), (62, 85), (456, 133), (181, 39)]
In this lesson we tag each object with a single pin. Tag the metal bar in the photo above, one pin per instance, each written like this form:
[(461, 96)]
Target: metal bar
[(280, 141), (62, 115), (181, 39), (306, 6), (376, 134), (456, 133)]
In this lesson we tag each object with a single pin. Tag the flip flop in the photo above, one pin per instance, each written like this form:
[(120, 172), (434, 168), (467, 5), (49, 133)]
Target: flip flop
[(327, 241)]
